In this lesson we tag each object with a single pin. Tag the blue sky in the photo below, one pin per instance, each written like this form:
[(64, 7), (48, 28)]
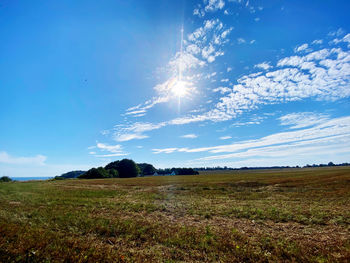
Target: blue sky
[(173, 83)]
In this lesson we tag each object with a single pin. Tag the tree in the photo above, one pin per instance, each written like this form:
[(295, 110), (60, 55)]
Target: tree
[(127, 168), (146, 168), (96, 173), (69, 175), (114, 173), (112, 165), (186, 171), (5, 179)]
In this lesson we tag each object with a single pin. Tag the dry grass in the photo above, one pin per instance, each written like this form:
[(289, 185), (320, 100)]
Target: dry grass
[(295, 215)]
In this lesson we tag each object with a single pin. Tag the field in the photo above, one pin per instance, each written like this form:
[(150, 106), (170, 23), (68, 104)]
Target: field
[(295, 215)]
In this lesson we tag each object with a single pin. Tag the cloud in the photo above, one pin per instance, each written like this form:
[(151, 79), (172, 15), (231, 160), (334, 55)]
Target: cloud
[(110, 155), (301, 48), (214, 5), (35, 160), (302, 119), (330, 136), (134, 131), (166, 150), (225, 137), (323, 75), (345, 39), (113, 150), (263, 65), (222, 90), (317, 42), (141, 109), (241, 40), (109, 148), (189, 136), (202, 47), (336, 33)]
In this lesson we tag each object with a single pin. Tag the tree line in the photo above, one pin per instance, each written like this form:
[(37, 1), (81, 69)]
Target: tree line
[(125, 168)]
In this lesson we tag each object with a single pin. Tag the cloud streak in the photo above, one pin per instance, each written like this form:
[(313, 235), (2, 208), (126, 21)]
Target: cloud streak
[(332, 135), (34, 160)]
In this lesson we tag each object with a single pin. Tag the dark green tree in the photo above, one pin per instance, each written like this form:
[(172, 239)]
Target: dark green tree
[(112, 165), (127, 168), (96, 173), (146, 168), (114, 173)]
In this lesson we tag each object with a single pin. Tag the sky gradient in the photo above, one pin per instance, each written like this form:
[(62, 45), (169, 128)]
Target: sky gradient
[(173, 83)]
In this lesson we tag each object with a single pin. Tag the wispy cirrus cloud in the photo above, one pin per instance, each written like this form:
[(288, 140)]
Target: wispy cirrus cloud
[(303, 119), (330, 136), (134, 131), (112, 150), (225, 137), (189, 136)]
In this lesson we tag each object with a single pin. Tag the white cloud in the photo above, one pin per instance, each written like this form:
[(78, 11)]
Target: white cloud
[(198, 12), (189, 136), (34, 160), (214, 5), (222, 90), (110, 155), (113, 150), (166, 150), (109, 148), (225, 137), (134, 131), (303, 119), (241, 40), (336, 33), (317, 42), (322, 75), (303, 47), (263, 65), (129, 137), (345, 39), (330, 137)]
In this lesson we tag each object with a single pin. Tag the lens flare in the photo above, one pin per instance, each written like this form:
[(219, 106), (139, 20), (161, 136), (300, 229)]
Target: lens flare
[(180, 88)]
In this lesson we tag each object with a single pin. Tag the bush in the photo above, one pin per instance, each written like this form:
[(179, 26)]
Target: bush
[(96, 173), (5, 179)]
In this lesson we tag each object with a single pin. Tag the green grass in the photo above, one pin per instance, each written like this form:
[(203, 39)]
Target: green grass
[(292, 215)]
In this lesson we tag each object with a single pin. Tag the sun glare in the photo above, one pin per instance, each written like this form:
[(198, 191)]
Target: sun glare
[(179, 88)]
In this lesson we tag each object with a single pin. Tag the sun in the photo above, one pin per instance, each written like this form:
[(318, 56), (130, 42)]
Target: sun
[(180, 88)]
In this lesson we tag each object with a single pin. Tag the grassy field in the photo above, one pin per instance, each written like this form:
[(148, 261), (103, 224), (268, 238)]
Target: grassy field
[(296, 215)]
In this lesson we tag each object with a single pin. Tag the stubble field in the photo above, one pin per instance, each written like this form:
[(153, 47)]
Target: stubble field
[(290, 215)]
